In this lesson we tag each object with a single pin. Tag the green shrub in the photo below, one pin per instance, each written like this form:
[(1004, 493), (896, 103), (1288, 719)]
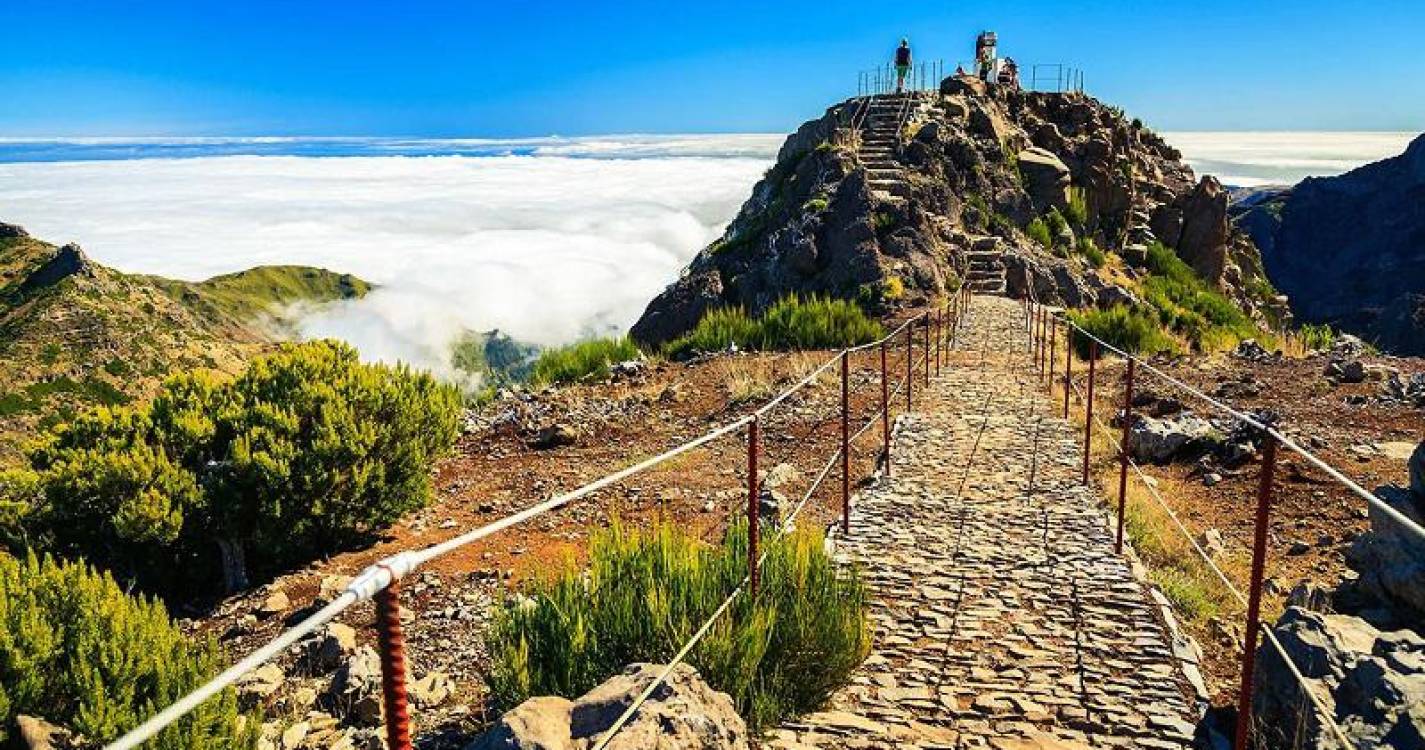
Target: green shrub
[(777, 654), (583, 360), (815, 205), (79, 652), (1077, 212), (305, 453), (1091, 252), (791, 324), (1316, 337), (1123, 327), (1056, 223), (1038, 231), (1189, 305)]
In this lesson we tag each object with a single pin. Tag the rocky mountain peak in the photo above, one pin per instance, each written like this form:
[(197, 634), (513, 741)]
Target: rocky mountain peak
[(887, 200)]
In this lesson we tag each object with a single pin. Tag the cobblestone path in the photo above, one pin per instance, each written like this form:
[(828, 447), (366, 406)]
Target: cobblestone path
[(1002, 617)]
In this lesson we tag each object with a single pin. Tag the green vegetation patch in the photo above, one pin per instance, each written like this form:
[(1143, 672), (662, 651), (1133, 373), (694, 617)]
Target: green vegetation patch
[(778, 653), (1123, 327), (79, 652), (791, 324), (1189, 305), (308, 451), (583, 360)]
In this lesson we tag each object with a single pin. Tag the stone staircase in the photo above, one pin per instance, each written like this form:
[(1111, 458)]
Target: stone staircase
[(986, 274), (880, 144)]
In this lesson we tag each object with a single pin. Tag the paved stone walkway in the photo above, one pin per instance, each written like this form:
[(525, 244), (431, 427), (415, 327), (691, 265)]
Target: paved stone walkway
[(1002, 616)]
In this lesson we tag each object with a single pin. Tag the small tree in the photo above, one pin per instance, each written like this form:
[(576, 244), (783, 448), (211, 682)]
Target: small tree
[(79, 652)]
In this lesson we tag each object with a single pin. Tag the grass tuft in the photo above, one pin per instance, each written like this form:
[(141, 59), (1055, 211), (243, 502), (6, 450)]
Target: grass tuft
[(777, 654), (583, 360), (791, 324)]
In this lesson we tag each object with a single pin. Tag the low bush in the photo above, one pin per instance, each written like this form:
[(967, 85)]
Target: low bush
[(583, 360), (791, 324), (79, 652), (1315, 337), (1056, 223), (1038, 230), (1077, 212), (1123, 327), (1189, 305), (307, 452), (1091, 252), (779, 653)]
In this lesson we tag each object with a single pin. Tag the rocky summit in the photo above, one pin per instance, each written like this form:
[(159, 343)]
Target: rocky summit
[(1350, 250), (891, 199)]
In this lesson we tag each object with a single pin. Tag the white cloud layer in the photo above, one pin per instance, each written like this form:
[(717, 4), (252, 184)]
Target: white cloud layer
[(1283, 158), (546, 248)]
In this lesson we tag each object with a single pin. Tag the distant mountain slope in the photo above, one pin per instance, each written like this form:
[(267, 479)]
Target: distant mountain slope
[(1350, 249), (75, 334)]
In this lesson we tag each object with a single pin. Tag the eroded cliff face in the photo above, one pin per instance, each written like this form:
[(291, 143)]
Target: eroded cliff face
[(1350, 250), (972, 168)]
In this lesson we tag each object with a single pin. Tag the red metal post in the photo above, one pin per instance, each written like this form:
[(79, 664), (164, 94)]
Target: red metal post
[(845, 442), (1254, 595), (753, 521), (939, 338), (926, 363), (1068, 366), (885, 411), (1123, 457), (391, 638), (1053, 350), (1088, 409), (909, 380)]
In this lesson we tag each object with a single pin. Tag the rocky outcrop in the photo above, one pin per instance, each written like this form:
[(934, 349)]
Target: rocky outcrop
[(1350, 249), (969, 164), (1390, 560), (682, 712), (1372, 684), (68, 261)]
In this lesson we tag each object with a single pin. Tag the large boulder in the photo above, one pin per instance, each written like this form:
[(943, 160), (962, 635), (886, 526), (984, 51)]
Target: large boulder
[(1159, 441), (682, 713), (1372, 684), (1390, 559), (1046, 178)]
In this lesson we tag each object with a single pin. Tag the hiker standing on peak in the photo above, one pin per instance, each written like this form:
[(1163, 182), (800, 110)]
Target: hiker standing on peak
[(902, 64)]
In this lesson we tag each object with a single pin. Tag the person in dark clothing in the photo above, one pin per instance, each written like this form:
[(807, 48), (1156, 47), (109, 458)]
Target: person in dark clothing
[(902, 64)]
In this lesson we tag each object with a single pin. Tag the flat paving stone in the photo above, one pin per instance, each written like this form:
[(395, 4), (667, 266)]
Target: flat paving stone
[(1002, 617)]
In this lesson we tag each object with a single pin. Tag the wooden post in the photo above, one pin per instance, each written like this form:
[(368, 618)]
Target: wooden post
[(1254, 594)]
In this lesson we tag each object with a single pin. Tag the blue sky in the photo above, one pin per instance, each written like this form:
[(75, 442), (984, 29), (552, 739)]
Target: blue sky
[(518, 68)]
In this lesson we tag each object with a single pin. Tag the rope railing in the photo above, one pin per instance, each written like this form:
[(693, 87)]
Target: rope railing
[(380, 581), (1041, 323)]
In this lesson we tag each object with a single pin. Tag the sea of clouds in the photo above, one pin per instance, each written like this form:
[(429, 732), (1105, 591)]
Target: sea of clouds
[(568, 243), (546, 239)]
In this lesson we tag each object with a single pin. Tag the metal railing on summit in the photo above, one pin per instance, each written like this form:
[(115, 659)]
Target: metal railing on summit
[(1041, 324), (381, 581)]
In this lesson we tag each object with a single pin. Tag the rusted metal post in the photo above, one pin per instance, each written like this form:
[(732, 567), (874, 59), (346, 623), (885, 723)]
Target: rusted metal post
[(1123, 456), (845, 442), (1088, 409), (885, 411), (391, 638), (909, 380), (1053, 350), (1254, 594), (753, 522), (1068, 366), (926, 364), (939, 338)]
